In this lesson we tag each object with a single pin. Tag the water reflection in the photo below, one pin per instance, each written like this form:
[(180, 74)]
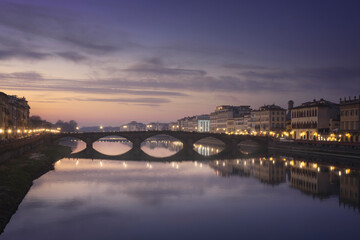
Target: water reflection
[(112, 145), (161, 148), (208, 146), (259, 198), (318, 180)]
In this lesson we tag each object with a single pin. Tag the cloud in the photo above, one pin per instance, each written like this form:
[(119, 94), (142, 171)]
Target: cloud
[(339, 80), (33, 81), (72, 56), (331, 78), (22, 54), (157, 67), (22, 76), (54, 24), (243, 66), (126, 100)]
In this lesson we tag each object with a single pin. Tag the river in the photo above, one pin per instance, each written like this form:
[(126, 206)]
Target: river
[(256, 198)]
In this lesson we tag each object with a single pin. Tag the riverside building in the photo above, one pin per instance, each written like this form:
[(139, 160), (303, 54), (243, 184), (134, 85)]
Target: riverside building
[(350, 119), (200, 123), (219, 118), (314, 120), (14, 115), (270, 118)]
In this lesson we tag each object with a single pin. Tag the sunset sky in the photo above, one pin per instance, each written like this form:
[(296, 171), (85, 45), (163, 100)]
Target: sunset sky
[(110, 62)]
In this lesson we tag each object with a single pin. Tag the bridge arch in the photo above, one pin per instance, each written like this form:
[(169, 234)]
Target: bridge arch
[(112, 145), (164, 145)]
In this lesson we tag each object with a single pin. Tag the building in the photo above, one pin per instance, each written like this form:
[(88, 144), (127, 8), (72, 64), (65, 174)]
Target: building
[(350, 119), (133, 127), (314, 120), (200, 123), (14, 115), (239, 125), (219, 118), (188, 124), (270, 118), (4, 114), (155, 126), (174, 126), (203, 123)]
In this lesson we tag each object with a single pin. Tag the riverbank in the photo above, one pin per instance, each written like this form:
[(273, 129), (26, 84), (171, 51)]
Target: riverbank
[(18, 174), (310, 148)]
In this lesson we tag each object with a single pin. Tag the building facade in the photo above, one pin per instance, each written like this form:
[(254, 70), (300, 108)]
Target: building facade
[(313, 120), (14, 115), (155, 126), (219, 118), (350, 119), (200, 123), (174, 126), (239, 125), (270, 118), (133, 127)]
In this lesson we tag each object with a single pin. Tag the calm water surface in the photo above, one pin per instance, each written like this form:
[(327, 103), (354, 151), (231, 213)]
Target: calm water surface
[(258, 198)]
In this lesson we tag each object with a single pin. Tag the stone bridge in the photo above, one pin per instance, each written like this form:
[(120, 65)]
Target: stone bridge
[(231, 149)]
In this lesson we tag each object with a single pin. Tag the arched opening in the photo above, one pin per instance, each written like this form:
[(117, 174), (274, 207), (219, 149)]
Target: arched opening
[(161, 146), (112, 145), (209, 146), (76, 144)]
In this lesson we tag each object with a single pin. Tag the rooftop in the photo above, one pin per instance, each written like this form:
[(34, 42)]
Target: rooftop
[(317, 103)]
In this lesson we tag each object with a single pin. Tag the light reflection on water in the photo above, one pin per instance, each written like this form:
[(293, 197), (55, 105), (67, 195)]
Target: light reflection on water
[(253, 198)]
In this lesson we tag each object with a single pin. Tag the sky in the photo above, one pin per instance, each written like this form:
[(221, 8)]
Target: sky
[(103, 62)]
